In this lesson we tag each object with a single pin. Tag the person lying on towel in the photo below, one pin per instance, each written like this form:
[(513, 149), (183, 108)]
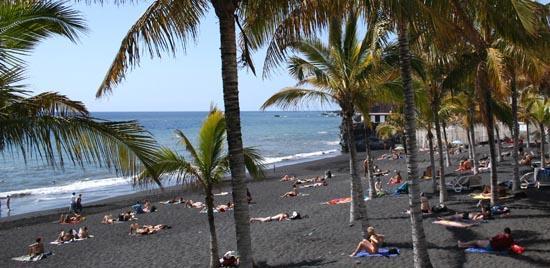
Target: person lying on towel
[(500, 242), (292, 193), (396, 179), (485, 214), (146, 229), (371, 244)]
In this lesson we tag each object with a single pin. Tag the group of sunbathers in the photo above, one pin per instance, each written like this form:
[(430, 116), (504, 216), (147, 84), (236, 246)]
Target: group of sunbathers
[(313, 182), (72, 234), (393, 156), (146, 207)]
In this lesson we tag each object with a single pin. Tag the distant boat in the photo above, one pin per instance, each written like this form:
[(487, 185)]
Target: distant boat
[(330, 114), (277, 115)]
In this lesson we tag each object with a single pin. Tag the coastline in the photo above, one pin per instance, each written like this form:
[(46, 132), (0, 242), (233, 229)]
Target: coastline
[(156, 194)]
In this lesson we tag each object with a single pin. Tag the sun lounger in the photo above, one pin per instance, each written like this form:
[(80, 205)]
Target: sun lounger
[(464, 182), (382, 252)]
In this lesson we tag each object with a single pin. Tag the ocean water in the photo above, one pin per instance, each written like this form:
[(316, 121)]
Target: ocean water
[(282, 138)]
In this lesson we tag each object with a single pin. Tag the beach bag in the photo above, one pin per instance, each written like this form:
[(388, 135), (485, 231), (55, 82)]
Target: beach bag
[(517, 249), (393, 251)]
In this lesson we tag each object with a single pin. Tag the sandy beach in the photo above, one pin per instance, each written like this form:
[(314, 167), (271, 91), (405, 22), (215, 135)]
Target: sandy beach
[(324, 239)]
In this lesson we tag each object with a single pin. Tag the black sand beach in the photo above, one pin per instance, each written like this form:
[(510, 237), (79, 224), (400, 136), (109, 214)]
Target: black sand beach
[(324, 239)]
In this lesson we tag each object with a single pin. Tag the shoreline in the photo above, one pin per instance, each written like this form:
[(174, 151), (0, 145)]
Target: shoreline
[(154, 194)]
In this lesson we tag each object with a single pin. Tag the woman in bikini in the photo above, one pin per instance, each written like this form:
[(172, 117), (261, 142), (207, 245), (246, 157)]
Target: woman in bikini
[(278, 217), (371, 244), (292, 193)]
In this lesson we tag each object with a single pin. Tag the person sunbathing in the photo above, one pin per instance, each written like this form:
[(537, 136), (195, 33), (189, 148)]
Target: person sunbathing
[(176, 200), (36, 248), (148, 207), (485, 214), (384, 156), (66, 218), (288, 178), (65, 236), (278, 217), (427, 173), (500, 242), (107, 219), (127, 216), (371, 244), (526, 160), (191, 204), (292, 193), (146, 229), (83, 233), (229, 259), (224, 208), (396, 179), (317, 184), (464, 165)]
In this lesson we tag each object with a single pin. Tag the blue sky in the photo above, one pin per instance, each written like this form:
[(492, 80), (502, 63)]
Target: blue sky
[(189, 82)]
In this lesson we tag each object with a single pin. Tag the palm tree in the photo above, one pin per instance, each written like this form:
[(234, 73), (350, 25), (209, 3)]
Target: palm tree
[(50, 126), (339, 72), (168, 24), (482, 22), (208, 165), (540, 114)]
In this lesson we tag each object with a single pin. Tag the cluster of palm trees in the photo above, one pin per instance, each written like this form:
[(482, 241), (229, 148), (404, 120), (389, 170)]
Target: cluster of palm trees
[(425, 57)]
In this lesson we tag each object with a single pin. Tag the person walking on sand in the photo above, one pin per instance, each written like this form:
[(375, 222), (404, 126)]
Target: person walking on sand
[(8, 201), (72, 208)]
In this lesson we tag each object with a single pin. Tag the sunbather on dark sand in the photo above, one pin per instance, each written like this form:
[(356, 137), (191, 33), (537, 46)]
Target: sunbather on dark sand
[(225, 207), (278, 217), (146, 229), (66, 218), (288, 178), (317, 184), (485, 214), (396, 179), (191, 204), (464, 165), (499, 242), (371, 244), (292, 193), (36, 248)]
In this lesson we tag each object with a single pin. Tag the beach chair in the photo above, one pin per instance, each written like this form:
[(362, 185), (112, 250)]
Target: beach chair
[(538, 178), (465, 182)]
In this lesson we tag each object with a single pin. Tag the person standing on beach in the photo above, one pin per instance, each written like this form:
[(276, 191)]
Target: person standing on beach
[(78, 205), (8, 199), (73, 203)]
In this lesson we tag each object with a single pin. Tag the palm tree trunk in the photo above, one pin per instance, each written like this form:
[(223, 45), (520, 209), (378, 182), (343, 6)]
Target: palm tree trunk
[(209, 201), (483, 89), (447, 157), (369, 171), (499, 144), (528, 145), (473, 135), (515, 157), (469, 143), (541, 127), (420, 250), (225, 11), (442, 190), (358, 209), (432, 159)]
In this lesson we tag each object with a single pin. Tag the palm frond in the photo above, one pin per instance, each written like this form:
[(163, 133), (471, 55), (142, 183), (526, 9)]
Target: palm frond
[(295, 97), (164, 25)]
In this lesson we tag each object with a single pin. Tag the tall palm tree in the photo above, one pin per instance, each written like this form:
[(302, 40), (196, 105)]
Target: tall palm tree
[(169, 24), (208, 165), (339, 72), (49, 125)]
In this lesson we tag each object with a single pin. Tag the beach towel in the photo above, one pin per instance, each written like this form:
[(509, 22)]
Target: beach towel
[(32, 259), (456, 224), (402, 189), (484, 250), (484, 197), (337, 201), (382, 252), (169, 203), (221, 194)]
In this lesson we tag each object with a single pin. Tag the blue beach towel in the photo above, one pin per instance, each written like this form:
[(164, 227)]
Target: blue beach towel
[(484, 250), (382, 252)]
